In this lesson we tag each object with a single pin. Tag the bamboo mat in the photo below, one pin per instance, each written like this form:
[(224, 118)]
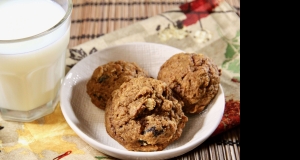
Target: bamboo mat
[(95, 18)]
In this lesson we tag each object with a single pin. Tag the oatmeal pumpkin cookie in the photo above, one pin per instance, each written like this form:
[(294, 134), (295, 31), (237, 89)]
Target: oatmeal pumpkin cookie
[(142, 115), (108, 77), (194, 79)]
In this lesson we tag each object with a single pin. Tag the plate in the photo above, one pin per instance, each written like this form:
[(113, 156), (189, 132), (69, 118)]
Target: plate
[(89, 123)]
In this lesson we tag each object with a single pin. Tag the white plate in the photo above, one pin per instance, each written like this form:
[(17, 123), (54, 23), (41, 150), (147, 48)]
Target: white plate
[(88, 121)]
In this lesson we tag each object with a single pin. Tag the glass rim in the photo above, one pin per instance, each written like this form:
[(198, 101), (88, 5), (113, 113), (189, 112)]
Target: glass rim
[(66, 16)]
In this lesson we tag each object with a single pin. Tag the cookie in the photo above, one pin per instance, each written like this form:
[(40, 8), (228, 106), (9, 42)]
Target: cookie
[(142, 115), (193, 78), (108, 77)]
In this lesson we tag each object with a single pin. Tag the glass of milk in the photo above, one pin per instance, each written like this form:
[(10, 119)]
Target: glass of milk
[(34, 35)]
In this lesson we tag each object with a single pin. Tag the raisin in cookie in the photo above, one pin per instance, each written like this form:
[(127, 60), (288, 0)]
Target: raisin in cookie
[(108, 77), (194, 79), (142, 115)]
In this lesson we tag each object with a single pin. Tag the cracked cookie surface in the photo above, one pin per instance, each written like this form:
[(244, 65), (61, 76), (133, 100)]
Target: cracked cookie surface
[(108, 77), (142, 115), (194, 79)]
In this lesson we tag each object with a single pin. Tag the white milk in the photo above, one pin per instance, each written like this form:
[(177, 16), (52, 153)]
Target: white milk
[(31, 72)]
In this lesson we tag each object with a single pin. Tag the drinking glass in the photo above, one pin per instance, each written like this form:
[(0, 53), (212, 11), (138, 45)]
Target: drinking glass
[(34, 36)]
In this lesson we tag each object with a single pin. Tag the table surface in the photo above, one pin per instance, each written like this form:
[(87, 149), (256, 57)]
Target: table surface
[(92, 19)]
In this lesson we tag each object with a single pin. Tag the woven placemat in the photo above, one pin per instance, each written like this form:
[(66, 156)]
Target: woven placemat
[(94, 18)]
